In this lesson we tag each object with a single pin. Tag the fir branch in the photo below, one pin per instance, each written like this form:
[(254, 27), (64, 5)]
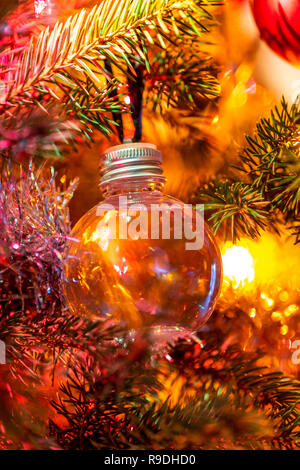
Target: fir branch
[(237, 208), (105, 410), (225, 400), (181, 79), (114, 30), (238, 372), (271, 159), (91, 109), (272, 191)]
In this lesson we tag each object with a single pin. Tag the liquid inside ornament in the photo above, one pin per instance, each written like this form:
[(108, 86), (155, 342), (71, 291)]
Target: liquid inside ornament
[(140, 256)]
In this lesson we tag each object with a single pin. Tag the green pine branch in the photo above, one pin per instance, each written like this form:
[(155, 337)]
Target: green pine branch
[(90, 109), (235, 207), (67, 63), (266, 187), (238, 372), (225, 401), (271, 159), (181, 78)]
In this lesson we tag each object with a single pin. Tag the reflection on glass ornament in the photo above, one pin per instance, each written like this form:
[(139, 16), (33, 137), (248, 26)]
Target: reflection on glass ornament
[(142, 257)]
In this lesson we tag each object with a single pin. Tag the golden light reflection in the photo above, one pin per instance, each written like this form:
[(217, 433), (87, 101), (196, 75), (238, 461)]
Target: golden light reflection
[(102, 236), (290, 310), (252, 312), (265, 276), (276, 316), (238, 266), (103, 233), (284, 329), (269, 263), (266, 301)]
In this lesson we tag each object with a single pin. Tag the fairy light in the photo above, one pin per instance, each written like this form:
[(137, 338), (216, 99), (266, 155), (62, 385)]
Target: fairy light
[(252, 313), (284, 329), (16, 246), (290, 310), (276, 316), (267, 301), (238, 266)]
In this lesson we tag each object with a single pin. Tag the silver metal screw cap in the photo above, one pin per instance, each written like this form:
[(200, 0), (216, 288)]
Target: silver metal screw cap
[(132, 161)]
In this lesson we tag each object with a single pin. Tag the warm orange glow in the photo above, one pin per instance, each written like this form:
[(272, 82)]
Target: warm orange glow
[(284, 329), (266, 301), (103, 233), (238, 266), (276, 316), (290, 310), (102, 236), (268, 263), (252, 312), (265, 275)]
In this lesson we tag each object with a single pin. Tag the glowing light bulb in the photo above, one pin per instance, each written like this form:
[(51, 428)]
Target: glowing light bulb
[(266, 300), (290, 310), (284, 329), (238, 266), (252, 312), (16, 246)]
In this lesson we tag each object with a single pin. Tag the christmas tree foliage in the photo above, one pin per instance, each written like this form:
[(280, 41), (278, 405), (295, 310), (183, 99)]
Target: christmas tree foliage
[(74, 77)]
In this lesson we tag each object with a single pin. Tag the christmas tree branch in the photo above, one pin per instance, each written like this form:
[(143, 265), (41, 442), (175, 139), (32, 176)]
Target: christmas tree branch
[(74, 51), (272, 158), (180, 78), (238, 372), (224, 400), (266, 184), (236, 207)]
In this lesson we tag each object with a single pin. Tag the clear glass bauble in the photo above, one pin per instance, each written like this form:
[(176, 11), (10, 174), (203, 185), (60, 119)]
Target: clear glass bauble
[(155, 284)]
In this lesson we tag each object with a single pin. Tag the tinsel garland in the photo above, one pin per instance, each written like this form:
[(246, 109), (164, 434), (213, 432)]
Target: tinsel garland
[(34, 224)]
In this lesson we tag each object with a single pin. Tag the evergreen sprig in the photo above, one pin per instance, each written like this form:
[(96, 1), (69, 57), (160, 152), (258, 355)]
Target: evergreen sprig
[(90, 109), (266, 187), (239, 373), (271, 159), (225, 400), (73, 53), (236, 207), (180, 78)]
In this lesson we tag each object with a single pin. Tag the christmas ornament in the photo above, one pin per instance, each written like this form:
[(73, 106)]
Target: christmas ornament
[(279, 24), (142, 257)]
